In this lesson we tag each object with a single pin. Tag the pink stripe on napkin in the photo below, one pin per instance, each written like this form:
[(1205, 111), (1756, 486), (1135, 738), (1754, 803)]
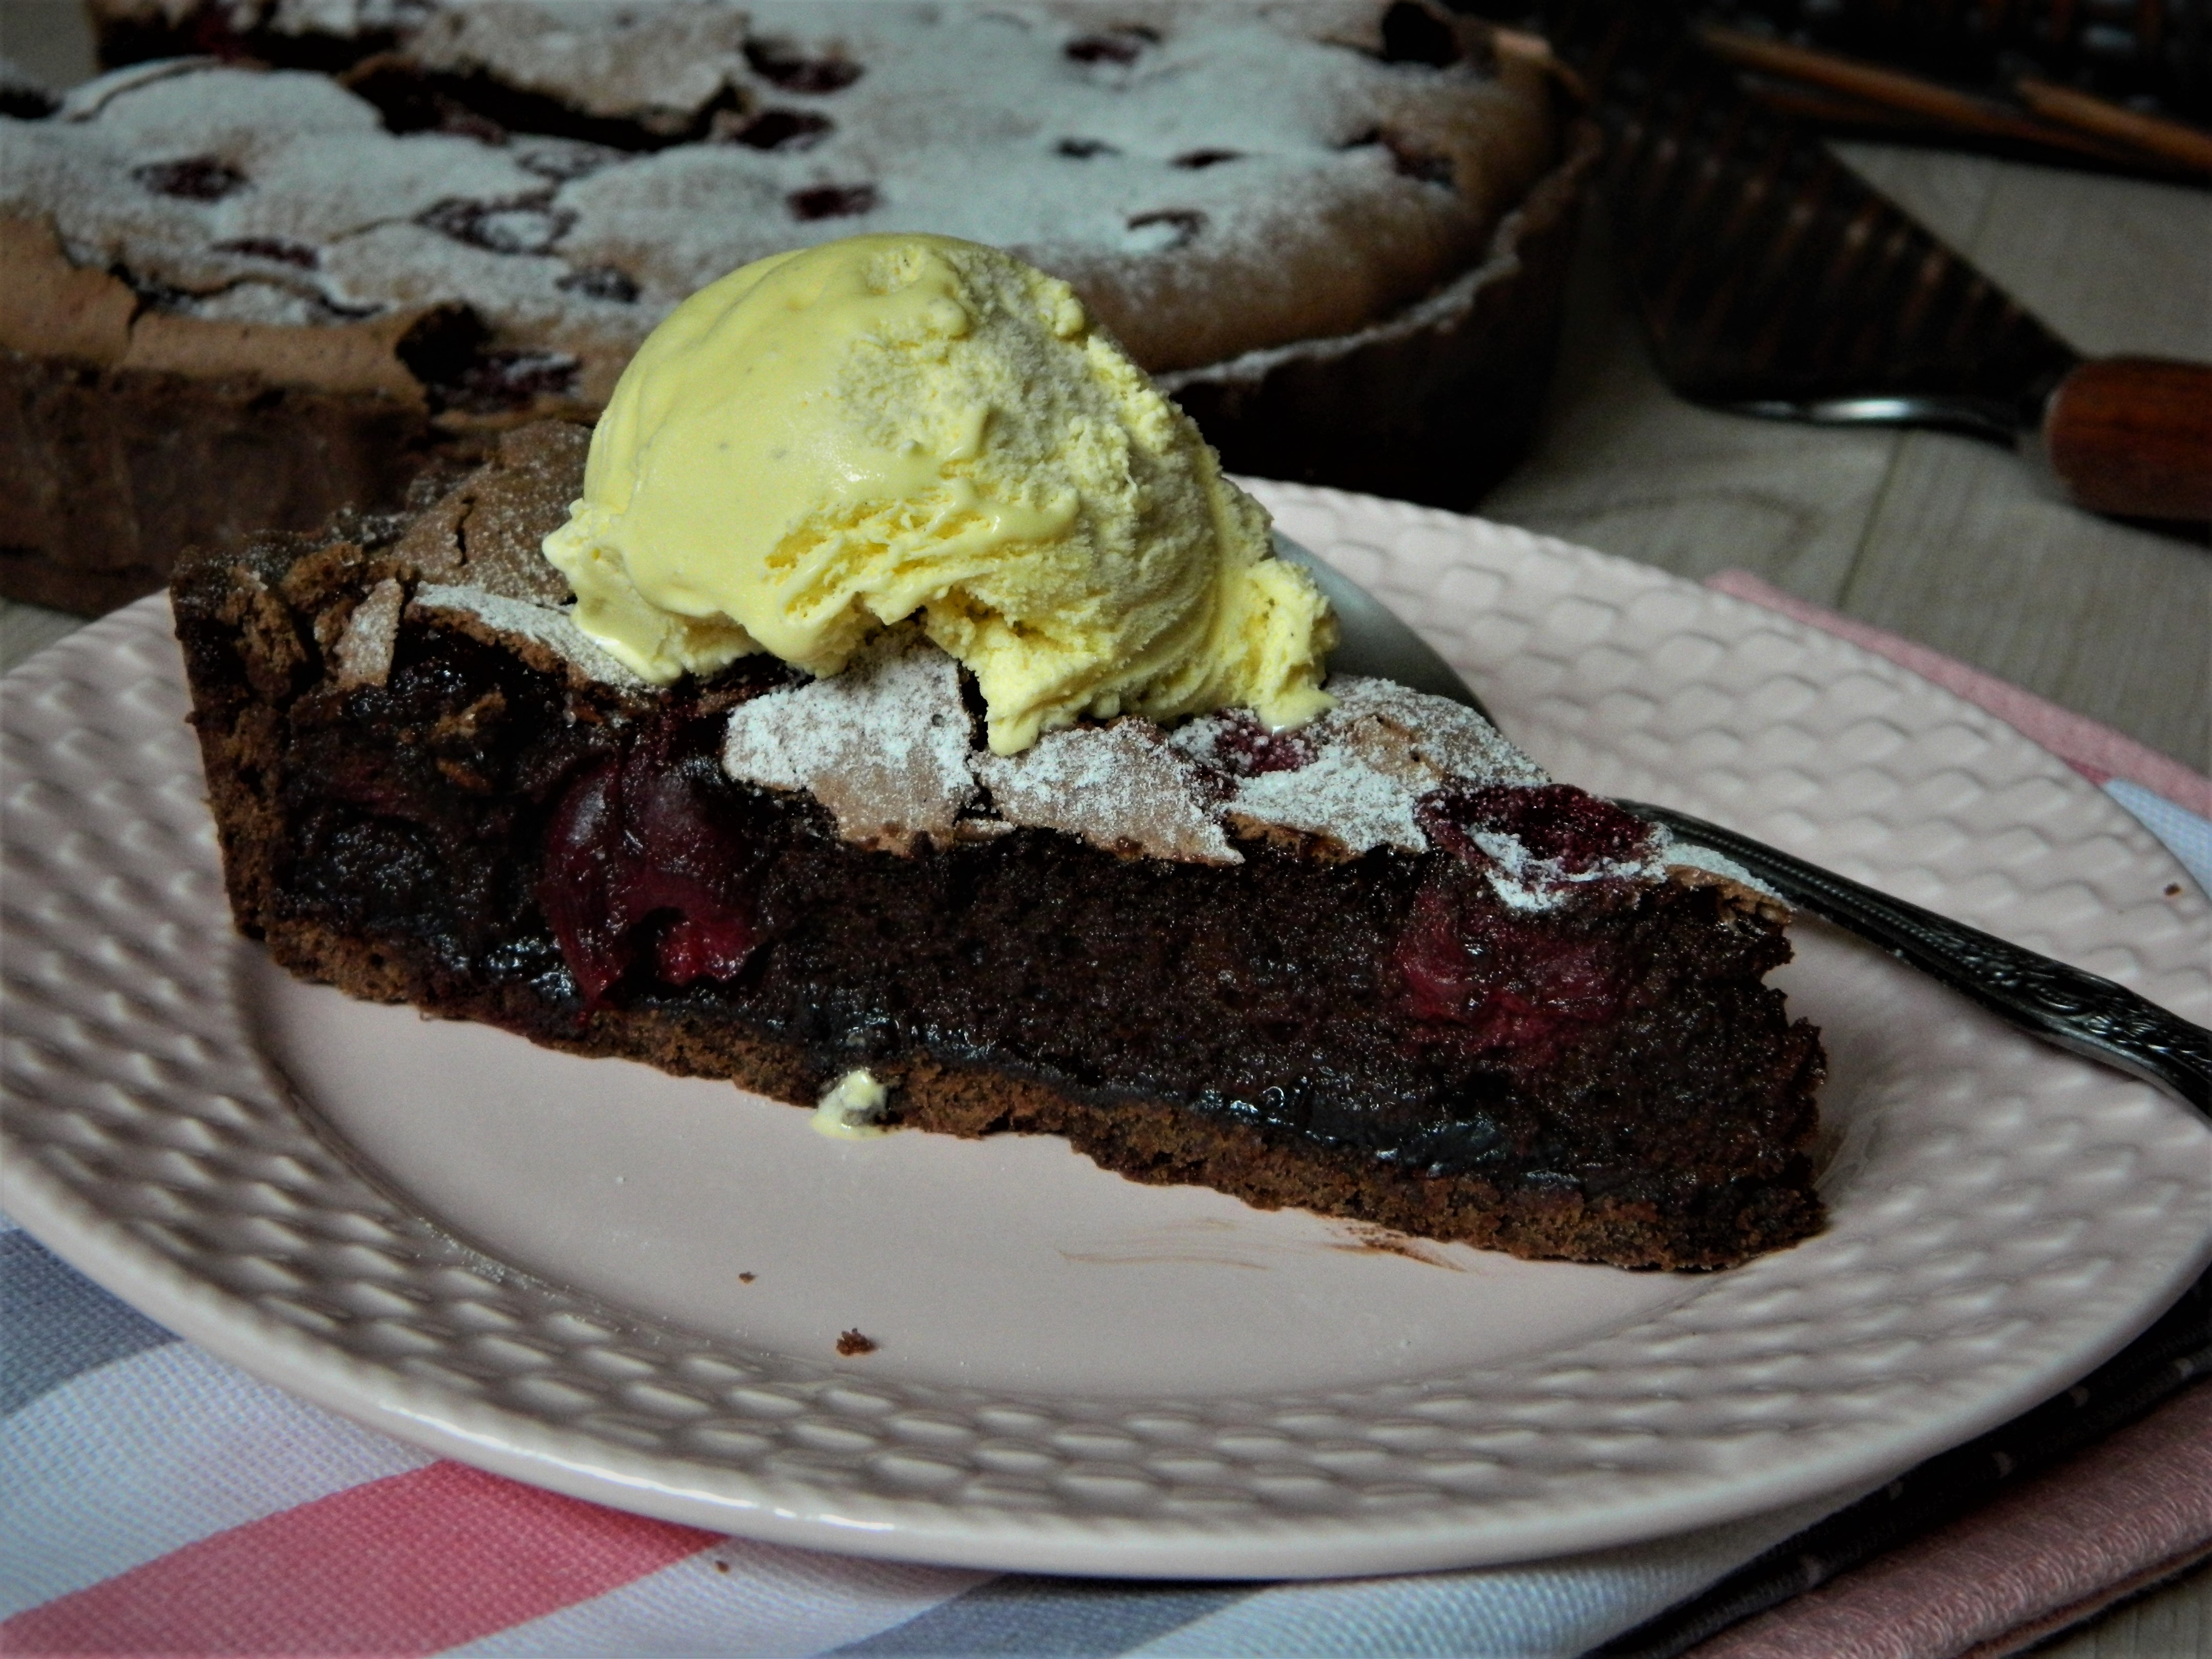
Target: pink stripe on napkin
[(409, 1564), (2091, 748), (2117, 1516)]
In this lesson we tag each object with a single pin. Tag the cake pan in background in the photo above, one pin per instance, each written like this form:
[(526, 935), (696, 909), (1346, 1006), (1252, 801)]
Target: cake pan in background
[(1435, 405)]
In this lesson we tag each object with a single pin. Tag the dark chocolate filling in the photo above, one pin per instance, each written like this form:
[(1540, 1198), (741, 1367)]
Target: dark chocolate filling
[(514, 855)]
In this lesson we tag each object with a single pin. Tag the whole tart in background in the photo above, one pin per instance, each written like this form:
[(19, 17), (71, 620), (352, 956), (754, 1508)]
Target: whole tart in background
[(344, 244)]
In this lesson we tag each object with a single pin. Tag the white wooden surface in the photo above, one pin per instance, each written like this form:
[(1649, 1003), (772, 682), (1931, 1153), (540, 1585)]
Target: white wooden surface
[(1942, 540)]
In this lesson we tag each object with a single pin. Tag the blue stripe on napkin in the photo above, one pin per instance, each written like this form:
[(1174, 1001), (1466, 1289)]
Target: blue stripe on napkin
[(60, 1323), (2184, 835), (1042, 1618)]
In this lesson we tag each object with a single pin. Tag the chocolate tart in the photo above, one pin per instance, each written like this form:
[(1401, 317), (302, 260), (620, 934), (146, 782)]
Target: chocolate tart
[(335, 253), (1380, 968)]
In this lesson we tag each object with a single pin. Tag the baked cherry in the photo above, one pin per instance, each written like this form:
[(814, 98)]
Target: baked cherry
[(1182, 224), (528, 225), (1558, 823), (1502, 982), (1413, 33), (496, 380), (600, 282), (637, 857), (1245, 748)]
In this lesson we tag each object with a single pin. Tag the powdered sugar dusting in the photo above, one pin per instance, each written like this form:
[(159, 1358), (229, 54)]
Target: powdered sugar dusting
[(1340, 796), (1368, 761), (342, 16), (884, 745), (1525, 881), (364, 651), (889, 747), (1451, 740), (1119, 787), (552, 629), (664, 66), (1688, 855)]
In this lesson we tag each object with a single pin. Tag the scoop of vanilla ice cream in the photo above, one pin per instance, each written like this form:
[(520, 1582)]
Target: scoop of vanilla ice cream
[(834, 439)]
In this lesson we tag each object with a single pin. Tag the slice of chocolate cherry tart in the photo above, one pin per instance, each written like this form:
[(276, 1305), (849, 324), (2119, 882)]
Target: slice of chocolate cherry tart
[(1378, 967)]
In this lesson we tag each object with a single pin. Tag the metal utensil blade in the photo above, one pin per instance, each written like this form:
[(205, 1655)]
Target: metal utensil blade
[(1371, 641), (1972, 417)]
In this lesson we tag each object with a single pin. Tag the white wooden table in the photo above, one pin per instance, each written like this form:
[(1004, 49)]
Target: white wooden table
[(1947, 541)]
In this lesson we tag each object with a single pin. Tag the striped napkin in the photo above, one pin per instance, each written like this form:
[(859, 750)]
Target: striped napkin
[(156, 1500)]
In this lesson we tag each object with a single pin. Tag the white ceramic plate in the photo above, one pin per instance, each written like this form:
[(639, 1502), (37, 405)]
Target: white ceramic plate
[(630, 1287)]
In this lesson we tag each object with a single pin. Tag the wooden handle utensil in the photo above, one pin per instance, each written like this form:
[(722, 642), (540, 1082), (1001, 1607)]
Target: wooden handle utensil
[(2133, 436)]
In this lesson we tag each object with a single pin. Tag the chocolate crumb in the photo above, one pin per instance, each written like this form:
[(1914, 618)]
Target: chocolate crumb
[(795, 71), (524, 225), (2173, 890), (831, 201), (196, 177), (362, 654), (852, 1342), (1366, 1238), (273, 247), (1121, 44), (784, 130), (746, 1278)]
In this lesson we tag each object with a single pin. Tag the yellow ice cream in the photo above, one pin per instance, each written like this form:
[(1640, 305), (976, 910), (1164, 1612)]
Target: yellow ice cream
[(834, 439)]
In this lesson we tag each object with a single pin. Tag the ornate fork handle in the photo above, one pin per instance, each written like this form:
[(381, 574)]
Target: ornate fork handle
[(2081, 1012)]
